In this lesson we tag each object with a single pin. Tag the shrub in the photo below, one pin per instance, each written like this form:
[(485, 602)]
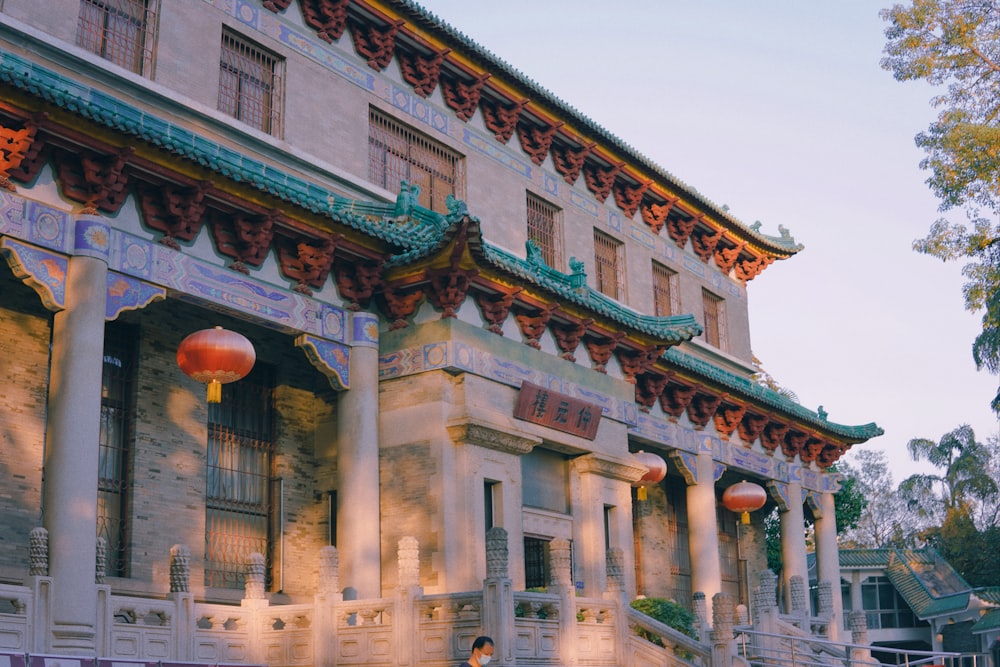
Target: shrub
[(667, 612)]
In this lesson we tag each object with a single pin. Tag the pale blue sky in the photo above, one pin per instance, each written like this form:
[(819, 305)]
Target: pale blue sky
[(779, 109)]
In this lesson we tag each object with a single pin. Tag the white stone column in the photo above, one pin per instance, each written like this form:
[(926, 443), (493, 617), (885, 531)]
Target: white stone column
[(793, 537), (706, 570), (358, 530), (828, 559), (69, 495)]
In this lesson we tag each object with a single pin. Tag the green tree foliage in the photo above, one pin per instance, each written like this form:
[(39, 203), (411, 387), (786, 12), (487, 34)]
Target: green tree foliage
[(965, 466), (669, 613), (955, 44), (975, 554), (888, 519)]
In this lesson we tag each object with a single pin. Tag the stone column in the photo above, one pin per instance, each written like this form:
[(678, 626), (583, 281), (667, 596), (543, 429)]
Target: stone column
[(562, 585), (828, 561), (69, 495), (706, 570), (793, 536), (498, 597), (358, 530)]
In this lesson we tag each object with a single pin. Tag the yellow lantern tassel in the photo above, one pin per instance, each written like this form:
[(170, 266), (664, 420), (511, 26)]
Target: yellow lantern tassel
[(640, 493), (745, 518), (215, 392)]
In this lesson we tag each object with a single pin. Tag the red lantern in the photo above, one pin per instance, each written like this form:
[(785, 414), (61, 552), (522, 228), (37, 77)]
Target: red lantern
[(216, 356), (744, 498), (657, 471)]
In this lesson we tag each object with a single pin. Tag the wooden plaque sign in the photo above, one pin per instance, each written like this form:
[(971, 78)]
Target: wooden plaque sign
[(559, 411)]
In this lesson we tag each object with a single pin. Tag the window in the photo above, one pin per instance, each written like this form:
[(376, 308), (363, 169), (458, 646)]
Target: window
[(545, 480), (609, 260), (397, 153), (666, 292), (545, 229), (251, 84), (678, 583), (885, 607), (115, 445), (536, 563), (491, 501), (715, 319), (239, 496), (121, 31)]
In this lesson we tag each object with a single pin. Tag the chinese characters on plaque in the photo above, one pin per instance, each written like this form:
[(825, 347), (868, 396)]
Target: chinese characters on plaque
[(559, 411)]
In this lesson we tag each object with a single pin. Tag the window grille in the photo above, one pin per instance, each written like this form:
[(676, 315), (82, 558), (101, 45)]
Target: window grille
[(715, 319), (115, 445), (678, 584), (609, 260), (665, 291), (536, 563), (122, 31), (400, 153), (239, 504), (545, 229), (251, 84)]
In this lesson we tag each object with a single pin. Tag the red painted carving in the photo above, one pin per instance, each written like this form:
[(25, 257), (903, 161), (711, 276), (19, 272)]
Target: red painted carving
[(328, 17), (772, 436), (634, 362), (569, 161), (655, 215), (277, 5), (14, 148), (704, 242), (535, 141), (173, 210), (628, 196), (829, 454), (462, 96), (398, 304), (357, 281), (244, 237), (448, 288), (420, 71), (811, 450), (680, 229), (495, 308), (533, 326), (793, 443), (727, 419), (307, 261), (648, 388), (675, 399), (702, 409), (501, 120), (568, 337), (750, 428), (725, 257), (601, 349), (600, 179), (97, 182), (375, 44)]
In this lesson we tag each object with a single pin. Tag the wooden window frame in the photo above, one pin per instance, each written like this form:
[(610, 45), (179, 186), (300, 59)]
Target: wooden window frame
[(251, 83), (609, 265), (544, 225), (120, 31)]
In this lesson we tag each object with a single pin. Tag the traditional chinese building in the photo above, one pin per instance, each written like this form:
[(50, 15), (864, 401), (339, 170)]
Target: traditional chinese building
[(482, 324)]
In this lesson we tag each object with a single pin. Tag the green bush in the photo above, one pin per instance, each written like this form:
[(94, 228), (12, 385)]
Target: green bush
[(667, 612)]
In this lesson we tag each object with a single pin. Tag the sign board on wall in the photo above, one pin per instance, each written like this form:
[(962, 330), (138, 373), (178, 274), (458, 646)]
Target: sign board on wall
[(564, 413)]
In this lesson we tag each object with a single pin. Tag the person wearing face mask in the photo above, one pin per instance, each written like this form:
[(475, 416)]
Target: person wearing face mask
[(482, 653)]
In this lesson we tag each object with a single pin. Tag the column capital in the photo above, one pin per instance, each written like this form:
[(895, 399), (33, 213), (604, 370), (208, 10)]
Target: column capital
[(92, 237)]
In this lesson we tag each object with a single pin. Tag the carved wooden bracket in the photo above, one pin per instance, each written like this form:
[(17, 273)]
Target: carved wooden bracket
[(702, 408), (448, 288), (307, 260), (499, 119), (535, 141), (277, 5), (648, 388), (533, 325), (176, 211), (628, 196), (398, 304), (569, 161), (675, 399), (772, 436), (655, 215), (463, 96), (750, 428), (704, 242), (601, 349), (376, 44), (725, 257), (244, 236), (600, 179), (15, 146), (98, 182), (792, 444), (728, 417), (568, 336), (420, 71), (357, 281), (496, 307), (635, 362), (830, 454), (811, 450), (680, 229), (750, 268), (328, 17)]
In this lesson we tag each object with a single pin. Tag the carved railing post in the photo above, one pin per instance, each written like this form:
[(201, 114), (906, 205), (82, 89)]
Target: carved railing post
[(498, 596), (405, 624), (723, 643), (700, 608), (327, 594), (183, 623), (38, 552), (765, 612), (254, 585), (615, 590), (857, 621), (180, 569), (560, 560), (800, 603), (101, 564)]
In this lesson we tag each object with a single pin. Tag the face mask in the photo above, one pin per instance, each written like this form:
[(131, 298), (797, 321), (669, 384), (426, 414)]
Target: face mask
[(485, 660)]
